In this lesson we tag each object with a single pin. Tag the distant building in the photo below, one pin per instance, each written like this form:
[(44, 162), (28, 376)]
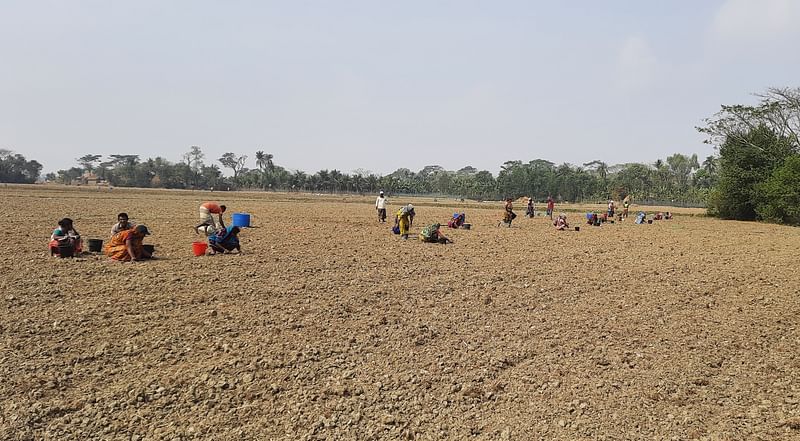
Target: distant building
[(89, 178)]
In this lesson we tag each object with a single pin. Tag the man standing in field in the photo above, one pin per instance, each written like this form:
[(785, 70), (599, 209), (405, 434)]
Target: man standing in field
[(550, 206), (207, 210), (380, 205), (626, 203)]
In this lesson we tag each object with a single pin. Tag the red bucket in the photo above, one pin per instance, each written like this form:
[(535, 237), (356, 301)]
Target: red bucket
[(199, 248)]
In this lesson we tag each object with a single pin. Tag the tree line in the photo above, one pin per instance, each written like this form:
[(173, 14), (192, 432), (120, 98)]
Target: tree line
[(755, 174), (676, 179)]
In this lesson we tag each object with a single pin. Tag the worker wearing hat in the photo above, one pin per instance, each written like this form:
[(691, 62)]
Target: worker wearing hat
[(380, 205)]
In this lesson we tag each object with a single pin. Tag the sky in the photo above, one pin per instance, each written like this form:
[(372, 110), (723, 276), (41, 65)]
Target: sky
[(380, 85)]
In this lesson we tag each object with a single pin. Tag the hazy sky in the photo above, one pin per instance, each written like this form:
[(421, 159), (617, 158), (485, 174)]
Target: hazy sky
[(381, 85)]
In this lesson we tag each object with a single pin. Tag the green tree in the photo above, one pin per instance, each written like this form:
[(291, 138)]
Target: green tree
[(194, 160), (14, 168), (233, 162), (779, 196), (746, 161), (87, 162)]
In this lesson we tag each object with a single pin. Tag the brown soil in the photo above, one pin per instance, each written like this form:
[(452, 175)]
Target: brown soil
[(330, 327)]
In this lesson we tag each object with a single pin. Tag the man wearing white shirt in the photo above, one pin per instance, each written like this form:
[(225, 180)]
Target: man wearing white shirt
[(380, 205)]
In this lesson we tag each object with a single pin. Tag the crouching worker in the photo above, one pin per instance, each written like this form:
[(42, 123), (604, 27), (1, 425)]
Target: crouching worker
[(65, 236), (225, 240), (432, 234), (561, 222), (126, 246), (457, 220), (404, 219)]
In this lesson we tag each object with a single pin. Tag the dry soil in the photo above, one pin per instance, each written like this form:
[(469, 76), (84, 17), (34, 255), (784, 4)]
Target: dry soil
[(330, 327)]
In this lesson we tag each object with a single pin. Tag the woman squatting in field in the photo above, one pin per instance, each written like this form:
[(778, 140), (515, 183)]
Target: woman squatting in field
[(126, 246), (433, 234), (225, 240), (65, 235)]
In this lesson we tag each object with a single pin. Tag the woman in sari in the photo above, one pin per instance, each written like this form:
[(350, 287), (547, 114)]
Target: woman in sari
[(457, 220), (404, 220), (508, 214), (225, 240), (126, 246), (561, 222), (65, 235), (433, 234)]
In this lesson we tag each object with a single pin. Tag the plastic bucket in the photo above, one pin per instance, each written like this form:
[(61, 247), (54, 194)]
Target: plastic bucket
[(199, 248), (152, 248), (95, 245), (577, 228), (241, 220), (66, 251), (466, 226)]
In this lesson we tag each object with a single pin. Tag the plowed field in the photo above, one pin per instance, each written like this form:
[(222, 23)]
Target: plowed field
[(330, 327)]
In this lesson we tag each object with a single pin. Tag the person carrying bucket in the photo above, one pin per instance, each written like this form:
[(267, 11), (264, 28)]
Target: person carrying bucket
[(508, 213), (404, 220), (207, 224)]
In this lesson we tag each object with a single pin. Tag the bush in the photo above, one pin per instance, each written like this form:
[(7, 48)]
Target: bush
[(779, 197)]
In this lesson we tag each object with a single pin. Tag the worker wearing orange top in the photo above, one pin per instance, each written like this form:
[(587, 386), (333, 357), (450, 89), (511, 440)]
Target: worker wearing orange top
[(207, 210)]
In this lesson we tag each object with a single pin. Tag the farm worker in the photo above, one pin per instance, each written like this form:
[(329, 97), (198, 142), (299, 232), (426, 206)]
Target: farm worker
[(404, 220), (530, 212), (207, 210), (611, 208), (65, 234), (127, 246), (122, 224), (225, 240), (433, 234), (550, 206), (380, 205), (508, 214), (457, 220), (561, 222), (626, 203)]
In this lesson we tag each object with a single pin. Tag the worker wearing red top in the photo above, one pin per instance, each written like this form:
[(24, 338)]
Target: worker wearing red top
[(207, 210)]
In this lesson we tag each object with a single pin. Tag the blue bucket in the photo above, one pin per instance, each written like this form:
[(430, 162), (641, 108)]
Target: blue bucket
[(241, 220)]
